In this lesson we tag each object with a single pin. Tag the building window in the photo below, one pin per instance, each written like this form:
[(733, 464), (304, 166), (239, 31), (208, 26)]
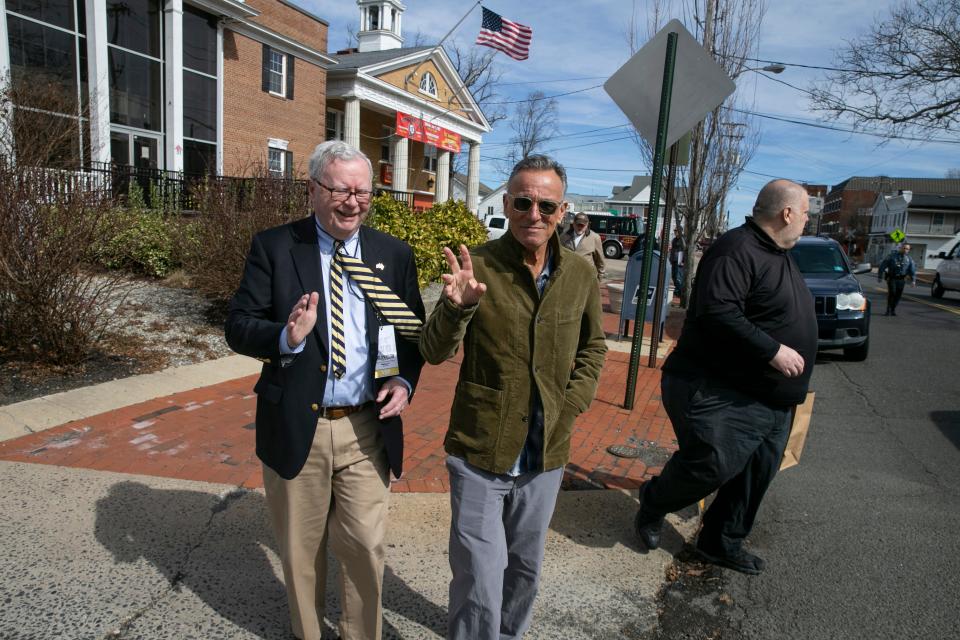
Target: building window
[(135, 90), (279, 159), (334, 124), (386, 138), (199, 41), (277, 72), (275, 161), (428, 84), (135, 25), (199, 158), (430, 157), (374, 23)]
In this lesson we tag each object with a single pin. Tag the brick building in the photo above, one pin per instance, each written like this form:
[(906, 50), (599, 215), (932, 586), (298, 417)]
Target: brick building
[(848, 206), (181, 85)]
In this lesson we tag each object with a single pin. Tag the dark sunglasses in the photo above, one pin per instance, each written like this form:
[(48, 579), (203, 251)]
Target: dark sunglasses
[(524, 204)]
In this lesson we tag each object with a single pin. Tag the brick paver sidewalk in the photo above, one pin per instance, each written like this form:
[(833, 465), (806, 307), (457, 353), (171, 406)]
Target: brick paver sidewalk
[(207, 434)]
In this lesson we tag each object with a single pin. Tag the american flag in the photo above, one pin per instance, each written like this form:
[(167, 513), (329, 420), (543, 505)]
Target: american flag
[(505, 35)]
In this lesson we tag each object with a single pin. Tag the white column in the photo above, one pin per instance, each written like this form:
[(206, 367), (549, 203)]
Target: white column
[(173, 50), (443, 176), (6, 115), (473, 178), (401, 163), (351, 122), (99, 81), (219, 168)]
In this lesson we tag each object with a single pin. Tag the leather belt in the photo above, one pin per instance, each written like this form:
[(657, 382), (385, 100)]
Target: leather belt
[(335, 413)]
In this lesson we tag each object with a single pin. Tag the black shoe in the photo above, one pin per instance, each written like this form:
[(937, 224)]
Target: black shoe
[(887, 312), (893, 312), (648, 531), (742, 561)]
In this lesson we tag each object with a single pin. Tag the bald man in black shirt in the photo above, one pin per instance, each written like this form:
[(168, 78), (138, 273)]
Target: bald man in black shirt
[(743, 361)]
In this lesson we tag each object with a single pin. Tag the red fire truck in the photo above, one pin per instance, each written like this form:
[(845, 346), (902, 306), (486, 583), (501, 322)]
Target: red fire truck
[(617, 232)]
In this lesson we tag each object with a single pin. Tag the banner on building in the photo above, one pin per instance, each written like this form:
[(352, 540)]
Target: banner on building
[(416, 129)]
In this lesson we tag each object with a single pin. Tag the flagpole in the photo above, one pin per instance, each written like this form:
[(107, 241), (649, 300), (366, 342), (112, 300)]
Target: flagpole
[(437, 46)]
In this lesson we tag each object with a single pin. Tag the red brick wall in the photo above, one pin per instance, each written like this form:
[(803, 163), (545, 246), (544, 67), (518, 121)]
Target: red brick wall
[(251, 116), (292, 23)]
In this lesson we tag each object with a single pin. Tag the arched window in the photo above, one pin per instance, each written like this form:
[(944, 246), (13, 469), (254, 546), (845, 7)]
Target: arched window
[(428, 85)]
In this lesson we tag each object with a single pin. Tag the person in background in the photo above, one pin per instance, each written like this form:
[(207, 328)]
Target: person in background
[(584, 242), (742, 363), (897, 267)]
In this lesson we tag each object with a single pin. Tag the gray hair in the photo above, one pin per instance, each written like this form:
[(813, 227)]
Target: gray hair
[(775, 196), (331, 150), (540, 163)]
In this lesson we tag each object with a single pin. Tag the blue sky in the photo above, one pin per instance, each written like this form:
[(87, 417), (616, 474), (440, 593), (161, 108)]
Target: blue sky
[(577, 45)]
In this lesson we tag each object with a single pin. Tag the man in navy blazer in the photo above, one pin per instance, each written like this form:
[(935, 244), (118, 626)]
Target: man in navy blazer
[(328, 433)]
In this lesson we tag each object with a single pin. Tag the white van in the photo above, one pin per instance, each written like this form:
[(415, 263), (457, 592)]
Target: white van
[(947, 277), (496, 226)]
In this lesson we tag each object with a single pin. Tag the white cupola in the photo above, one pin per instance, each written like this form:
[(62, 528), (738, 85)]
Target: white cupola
[(380, 25)]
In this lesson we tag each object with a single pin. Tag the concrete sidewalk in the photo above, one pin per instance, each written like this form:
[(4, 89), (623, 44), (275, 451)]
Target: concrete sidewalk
[(146, 520)]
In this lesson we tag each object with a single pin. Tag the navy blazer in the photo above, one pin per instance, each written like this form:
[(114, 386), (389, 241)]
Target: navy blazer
[(283, 265)]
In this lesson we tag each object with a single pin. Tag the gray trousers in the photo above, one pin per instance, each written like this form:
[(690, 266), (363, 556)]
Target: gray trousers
[(497, 533)]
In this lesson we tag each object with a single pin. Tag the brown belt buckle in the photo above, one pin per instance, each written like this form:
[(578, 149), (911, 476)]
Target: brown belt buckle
[(335, 413)]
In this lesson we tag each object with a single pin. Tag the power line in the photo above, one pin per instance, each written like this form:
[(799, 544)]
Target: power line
[(558, 95)]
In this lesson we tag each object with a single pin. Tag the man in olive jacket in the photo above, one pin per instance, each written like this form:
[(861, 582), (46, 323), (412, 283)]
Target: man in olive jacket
[(528, 313)]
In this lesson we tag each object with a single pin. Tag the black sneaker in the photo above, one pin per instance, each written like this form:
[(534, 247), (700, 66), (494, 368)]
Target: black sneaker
[(742, 561)]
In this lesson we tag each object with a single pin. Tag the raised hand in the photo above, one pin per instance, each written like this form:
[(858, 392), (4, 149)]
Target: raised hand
[(302, 319), (459, 285)]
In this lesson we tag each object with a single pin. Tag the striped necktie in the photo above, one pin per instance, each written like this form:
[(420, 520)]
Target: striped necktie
[(391, 308), (338, 348)]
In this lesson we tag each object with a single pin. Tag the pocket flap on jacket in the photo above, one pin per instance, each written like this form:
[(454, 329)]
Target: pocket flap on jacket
[(267, 391)]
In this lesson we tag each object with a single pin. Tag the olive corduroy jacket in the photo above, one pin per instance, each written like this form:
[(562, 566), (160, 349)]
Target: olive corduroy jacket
[(512, 339)]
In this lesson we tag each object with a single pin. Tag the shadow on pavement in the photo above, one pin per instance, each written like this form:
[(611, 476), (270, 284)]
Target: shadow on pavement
[(949, 424), (227, 565)]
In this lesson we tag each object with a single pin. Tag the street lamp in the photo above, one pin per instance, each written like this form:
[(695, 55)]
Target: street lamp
[(774, 67)]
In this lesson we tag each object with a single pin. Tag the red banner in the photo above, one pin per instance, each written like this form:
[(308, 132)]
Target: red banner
[(416, 129)]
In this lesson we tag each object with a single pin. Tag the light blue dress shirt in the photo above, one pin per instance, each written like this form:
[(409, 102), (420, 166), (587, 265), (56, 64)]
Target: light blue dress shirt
[(352, 388)]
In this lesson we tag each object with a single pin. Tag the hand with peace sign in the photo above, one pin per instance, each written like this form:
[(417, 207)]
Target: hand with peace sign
[(459, 285)]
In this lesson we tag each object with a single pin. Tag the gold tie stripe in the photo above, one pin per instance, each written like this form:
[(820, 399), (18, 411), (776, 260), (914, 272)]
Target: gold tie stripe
[(393, 309), (338, 345)]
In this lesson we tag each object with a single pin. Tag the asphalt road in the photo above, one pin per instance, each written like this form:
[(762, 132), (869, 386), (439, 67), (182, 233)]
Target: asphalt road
[(862, 539)]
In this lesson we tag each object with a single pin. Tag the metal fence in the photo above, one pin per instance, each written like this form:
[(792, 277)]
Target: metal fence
[(172, 190)]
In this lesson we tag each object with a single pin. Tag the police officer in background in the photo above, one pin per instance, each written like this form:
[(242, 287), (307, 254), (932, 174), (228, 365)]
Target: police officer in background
[(896, 267)]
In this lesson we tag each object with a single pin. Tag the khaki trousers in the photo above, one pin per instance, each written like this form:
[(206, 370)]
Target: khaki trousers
[(339, 497)]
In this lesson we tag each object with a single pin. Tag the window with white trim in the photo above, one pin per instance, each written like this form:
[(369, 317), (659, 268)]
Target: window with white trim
[(430, 157), (428, 84), (277, 73), (275, 161), (334, 124)]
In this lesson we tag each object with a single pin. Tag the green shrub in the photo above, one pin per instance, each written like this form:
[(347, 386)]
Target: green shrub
[(448, 224), (145, 243)]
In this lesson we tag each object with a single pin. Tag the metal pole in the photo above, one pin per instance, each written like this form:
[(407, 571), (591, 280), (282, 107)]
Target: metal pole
[(662, 273), (659, 151)]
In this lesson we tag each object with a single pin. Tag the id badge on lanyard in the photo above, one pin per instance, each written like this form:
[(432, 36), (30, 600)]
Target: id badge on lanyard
[(387, 362)]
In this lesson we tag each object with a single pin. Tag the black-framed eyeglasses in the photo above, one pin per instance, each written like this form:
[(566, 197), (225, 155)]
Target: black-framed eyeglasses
[(341, 195), (524, 204)]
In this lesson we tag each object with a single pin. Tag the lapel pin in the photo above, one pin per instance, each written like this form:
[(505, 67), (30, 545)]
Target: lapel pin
[(380, 266)]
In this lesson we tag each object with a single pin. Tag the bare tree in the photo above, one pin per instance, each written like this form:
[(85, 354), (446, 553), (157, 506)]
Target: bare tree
[(480, 75), (905, 72), (722, 144), (952, 173), (534, 123), (41, 123)]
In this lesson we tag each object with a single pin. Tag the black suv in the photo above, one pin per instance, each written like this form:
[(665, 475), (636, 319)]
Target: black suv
[(843, 312)]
